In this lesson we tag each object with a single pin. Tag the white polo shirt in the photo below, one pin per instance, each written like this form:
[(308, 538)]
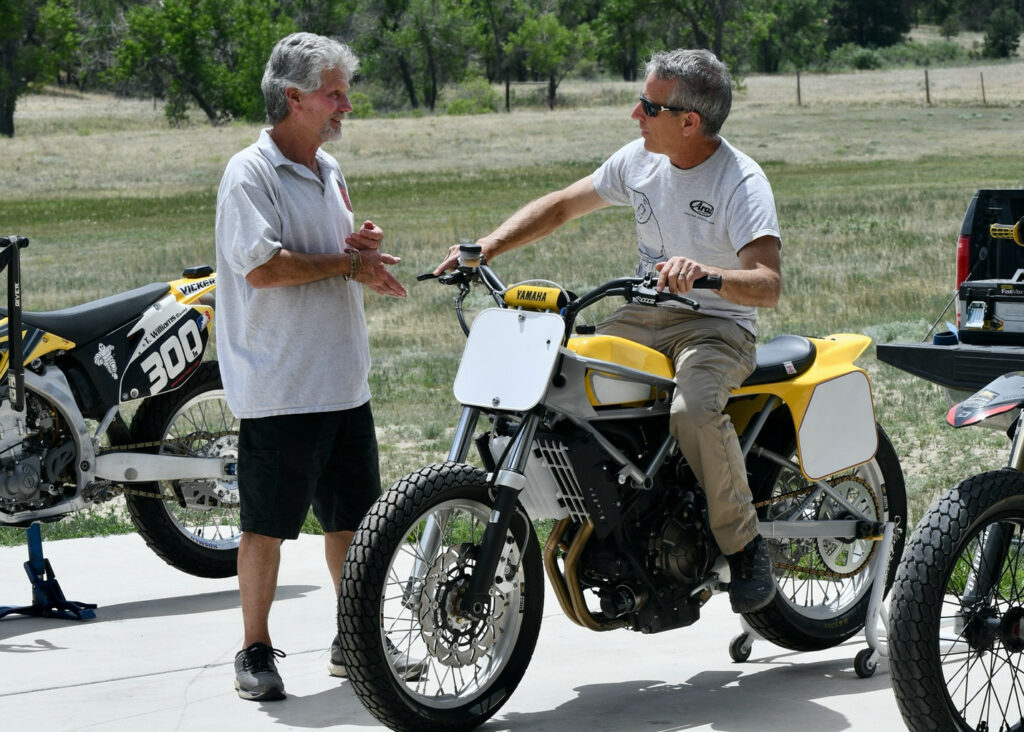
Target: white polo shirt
[(294, 349)]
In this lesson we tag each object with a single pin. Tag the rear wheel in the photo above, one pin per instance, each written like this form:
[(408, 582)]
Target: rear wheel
[(824, 584), (192, 525), (409, 563), (956, 614)]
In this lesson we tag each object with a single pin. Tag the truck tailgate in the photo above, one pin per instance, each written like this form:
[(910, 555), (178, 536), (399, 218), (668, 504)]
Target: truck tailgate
[(961, 367)]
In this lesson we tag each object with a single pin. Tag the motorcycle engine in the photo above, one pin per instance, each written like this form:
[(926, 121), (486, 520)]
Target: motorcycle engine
[(35, 452), (679, 549)]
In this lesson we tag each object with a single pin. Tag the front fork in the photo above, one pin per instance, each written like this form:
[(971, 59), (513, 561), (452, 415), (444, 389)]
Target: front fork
[(994, 546), (508, 479)]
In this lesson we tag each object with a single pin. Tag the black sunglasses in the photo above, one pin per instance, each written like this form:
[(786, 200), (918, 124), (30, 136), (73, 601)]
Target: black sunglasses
[(651, 109)]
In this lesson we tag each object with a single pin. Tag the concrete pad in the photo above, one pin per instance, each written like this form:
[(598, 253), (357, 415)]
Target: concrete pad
[(159, 654)]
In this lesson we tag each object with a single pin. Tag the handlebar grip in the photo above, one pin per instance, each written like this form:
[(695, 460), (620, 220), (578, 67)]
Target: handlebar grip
[(708, 282), (1007, 231), (426, 276), (14, 241)]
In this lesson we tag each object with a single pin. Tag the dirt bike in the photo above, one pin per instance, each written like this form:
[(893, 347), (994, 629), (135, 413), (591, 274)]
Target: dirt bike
[(445, 571), (65, 445), (956, 612)]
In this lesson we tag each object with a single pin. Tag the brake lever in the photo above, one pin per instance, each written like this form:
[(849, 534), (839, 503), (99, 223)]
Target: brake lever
[(645, 294)]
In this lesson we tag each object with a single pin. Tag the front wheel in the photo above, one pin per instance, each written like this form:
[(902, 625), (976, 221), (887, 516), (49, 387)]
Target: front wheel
[(957, 608), (824, 584), (192, 525), (399, 604)]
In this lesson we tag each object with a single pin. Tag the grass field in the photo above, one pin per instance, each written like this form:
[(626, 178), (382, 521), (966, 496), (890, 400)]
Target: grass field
[(871, 185)]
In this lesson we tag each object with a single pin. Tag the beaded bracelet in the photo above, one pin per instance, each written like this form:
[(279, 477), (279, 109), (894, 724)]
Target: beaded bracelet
[(355, 264)]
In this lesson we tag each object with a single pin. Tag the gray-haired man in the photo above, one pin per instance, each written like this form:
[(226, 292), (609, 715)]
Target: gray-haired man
[(701, 207), (292, 339)]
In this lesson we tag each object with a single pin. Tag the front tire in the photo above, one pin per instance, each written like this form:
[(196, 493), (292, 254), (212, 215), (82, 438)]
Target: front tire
[(956, 656), (192, 525), (824, 585), (388, 610)]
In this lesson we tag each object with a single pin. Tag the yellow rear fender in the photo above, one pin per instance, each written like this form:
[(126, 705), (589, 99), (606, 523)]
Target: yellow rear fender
[(830, 405)]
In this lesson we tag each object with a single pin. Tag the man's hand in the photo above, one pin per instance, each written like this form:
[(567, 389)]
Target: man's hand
[(678, 274), (368, 237), (451, 259), (373, 272)]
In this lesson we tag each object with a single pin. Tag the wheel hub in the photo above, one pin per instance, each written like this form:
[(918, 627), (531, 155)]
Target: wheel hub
[(838, 555), (452, 637), (1010, 630)]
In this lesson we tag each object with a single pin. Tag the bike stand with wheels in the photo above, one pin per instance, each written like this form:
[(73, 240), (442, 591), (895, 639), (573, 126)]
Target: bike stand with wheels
[(48, 599), (866, 661)]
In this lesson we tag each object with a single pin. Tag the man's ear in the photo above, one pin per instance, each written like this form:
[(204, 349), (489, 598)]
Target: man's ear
[(690, 122), (293, 95)]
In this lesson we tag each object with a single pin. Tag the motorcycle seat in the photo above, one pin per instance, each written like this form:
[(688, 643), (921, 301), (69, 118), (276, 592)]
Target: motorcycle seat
[(783, 357), (83, 323)]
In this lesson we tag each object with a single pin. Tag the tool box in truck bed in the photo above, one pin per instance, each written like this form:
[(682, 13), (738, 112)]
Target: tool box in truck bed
[(980, 350)]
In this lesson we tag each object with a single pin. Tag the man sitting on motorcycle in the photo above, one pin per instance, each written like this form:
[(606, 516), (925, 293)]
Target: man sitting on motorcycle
[(702, 207)]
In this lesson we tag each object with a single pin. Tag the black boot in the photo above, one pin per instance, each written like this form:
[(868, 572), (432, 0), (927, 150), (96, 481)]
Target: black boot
[(752, 585)]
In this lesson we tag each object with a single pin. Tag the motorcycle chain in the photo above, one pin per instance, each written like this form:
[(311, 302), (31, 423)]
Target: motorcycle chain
[(813, 571), (122, 489)]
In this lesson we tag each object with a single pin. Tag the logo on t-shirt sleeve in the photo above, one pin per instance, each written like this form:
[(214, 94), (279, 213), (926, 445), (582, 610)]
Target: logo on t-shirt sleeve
[(344, 195)]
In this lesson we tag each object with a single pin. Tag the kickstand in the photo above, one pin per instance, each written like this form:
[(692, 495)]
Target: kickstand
[(47, 598)]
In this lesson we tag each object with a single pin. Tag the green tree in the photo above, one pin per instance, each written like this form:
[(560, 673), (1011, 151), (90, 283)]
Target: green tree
[(499, 18), (33, 39), (550, 49), (627, 31), (869, 23), (789, 32), (210, 53), (416, 45), (1002, 33)]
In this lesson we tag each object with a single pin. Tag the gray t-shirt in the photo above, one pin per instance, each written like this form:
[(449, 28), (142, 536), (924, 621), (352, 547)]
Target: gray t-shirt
[(707, 213), (293, 349)]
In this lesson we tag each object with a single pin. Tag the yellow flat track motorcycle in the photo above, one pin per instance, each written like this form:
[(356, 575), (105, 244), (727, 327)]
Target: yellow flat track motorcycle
[(445, 574)]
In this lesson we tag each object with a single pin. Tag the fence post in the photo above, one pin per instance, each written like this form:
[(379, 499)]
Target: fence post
[(799, 102), (983, 101), (927, 89)]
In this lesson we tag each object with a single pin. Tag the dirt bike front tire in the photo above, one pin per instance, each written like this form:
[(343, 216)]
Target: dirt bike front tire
[(956, 661), (408, 564)]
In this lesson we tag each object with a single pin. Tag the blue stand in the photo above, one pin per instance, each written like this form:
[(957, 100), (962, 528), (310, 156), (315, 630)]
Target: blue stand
[(47, 598)]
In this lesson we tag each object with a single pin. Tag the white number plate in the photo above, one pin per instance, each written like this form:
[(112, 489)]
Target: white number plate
[(509, 358)]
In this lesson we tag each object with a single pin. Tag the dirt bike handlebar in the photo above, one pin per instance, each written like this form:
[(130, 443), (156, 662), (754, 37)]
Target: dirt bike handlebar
[(1008, 231), (641, 290)]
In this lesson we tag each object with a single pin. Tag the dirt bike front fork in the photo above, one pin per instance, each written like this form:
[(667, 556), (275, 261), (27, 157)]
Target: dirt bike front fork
[(507, 481)]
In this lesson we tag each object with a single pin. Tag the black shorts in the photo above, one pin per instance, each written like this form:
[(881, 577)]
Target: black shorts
[(287, 463)]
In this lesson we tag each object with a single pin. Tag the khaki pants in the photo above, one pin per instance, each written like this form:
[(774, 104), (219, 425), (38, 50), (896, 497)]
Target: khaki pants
[(712, 357)]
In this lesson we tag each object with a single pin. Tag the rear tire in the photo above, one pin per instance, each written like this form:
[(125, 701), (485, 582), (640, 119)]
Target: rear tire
[(956, 664), (198, 531), (814, 610), (470, 667)]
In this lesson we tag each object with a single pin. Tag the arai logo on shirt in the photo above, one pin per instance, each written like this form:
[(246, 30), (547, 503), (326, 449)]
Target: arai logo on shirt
[(702, 208)]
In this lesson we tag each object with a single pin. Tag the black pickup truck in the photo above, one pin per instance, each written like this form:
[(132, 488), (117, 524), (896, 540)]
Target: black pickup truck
[(989, 340)]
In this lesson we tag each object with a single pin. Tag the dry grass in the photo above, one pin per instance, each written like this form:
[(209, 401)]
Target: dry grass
[(70, 144)]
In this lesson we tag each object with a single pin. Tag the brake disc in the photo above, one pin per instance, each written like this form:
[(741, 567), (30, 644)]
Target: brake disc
[(452, 638)]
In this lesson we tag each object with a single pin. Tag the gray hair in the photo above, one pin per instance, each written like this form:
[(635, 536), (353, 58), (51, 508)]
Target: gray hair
[(299, 61), (702, 83)]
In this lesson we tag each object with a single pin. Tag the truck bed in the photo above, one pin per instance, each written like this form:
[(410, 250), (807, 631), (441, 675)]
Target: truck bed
[(959, 368)]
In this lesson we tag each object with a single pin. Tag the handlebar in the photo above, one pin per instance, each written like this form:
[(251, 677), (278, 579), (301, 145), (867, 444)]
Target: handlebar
[(1008, 231), (14, 241), (551, 297)]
